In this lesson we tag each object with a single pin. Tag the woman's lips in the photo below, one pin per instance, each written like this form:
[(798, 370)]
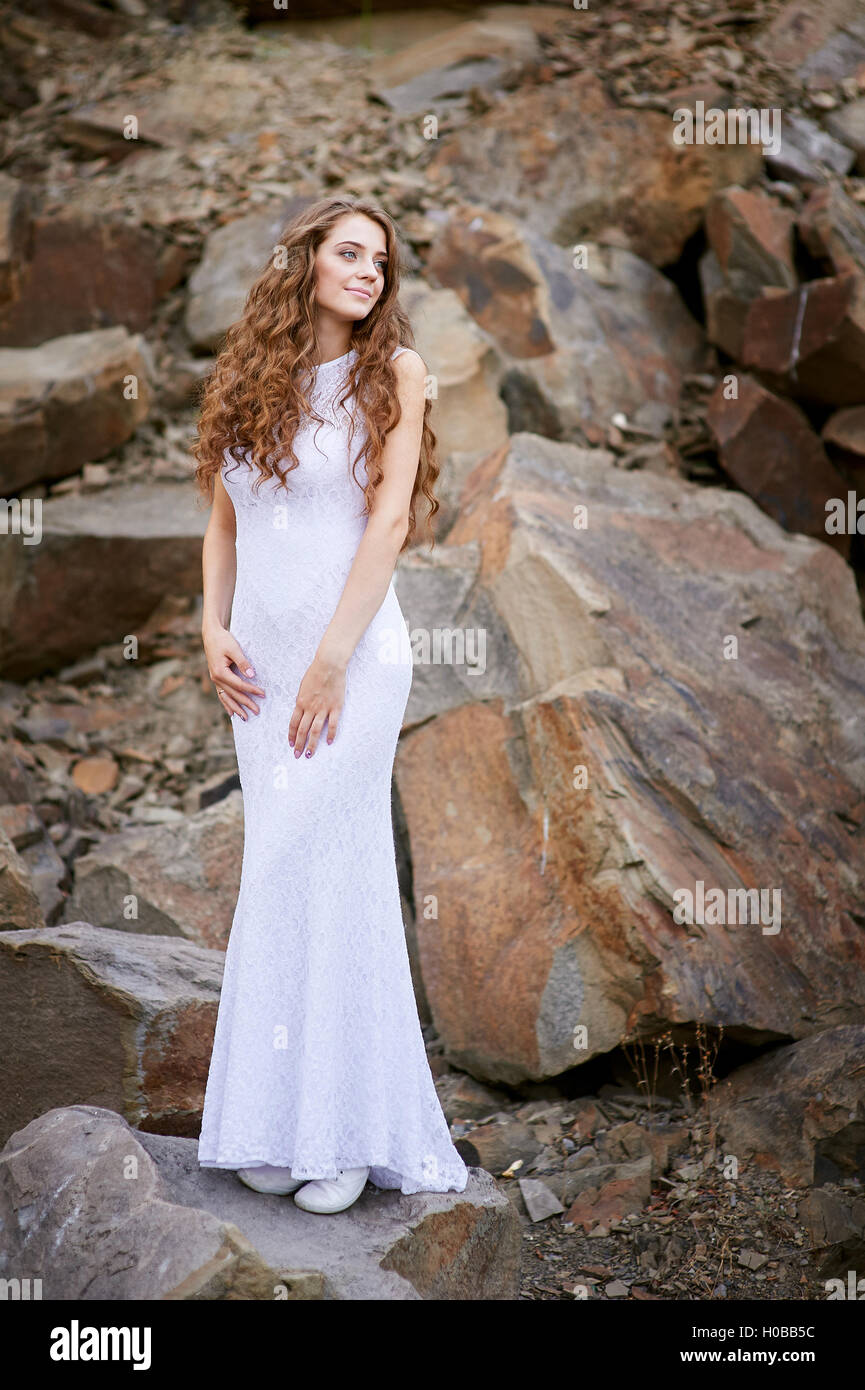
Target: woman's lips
[(363, 294)]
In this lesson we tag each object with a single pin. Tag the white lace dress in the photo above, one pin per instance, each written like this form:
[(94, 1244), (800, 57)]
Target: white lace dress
[(318, 1059)]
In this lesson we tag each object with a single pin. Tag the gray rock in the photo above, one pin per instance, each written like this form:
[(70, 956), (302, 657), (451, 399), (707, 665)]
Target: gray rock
[(234, 256), (97, 1210), (848, 125), (808, 151), (19, 903), (540, 1201)]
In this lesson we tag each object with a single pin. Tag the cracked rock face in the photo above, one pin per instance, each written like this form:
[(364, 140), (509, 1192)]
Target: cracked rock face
[(668, 738), (97, 1210), (104, 1017)]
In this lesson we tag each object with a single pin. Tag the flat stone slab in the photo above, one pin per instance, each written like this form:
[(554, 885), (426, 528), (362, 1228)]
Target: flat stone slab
[(98, 1210)]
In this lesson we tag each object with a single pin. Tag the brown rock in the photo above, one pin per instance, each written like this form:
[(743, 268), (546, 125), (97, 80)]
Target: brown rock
[(832, 227), (555, 913), (130, 1021), (129, 545), (726, 312), (498, 1145), (95, 775), (588, 1119), (36, 870), (835, 1221), (810, 342), (845, 433), (770, 451), (799, 29), (70, 273), (69, 401), (607, 1194), (752, 238), (626, 1142), (848, 124), (22, 825), (577, 344), (798, 1109), (181, 879), (573, 166), (463, 1098), (19, 905), (434, 72), (468, 416), (16, 785)]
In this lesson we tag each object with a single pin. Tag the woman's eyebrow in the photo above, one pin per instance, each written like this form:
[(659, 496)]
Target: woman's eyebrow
[(359, 244)]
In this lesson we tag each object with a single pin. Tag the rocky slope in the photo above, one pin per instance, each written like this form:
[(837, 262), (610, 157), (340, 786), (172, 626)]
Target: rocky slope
[(640, 652)]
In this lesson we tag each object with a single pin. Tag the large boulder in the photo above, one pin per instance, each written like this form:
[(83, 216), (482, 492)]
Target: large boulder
[(96, 1017), (578, 341), (103, 563), (668, 747), (768, 448), (96, 1210), (799, 1110), (565, 160), (442, 69), (73, 272), (234, 256), (468, 415), (68, 402), (179, 879)]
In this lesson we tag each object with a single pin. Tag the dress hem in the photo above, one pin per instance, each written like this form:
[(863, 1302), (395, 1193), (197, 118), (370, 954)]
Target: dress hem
[(406, 1191)]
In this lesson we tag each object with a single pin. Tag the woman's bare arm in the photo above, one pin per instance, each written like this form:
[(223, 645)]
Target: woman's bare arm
[(219, 575), (386, 528), (219, 560)]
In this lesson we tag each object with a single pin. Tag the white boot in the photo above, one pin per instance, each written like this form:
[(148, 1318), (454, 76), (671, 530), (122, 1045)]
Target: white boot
[(328, 1195), (270, 1179)]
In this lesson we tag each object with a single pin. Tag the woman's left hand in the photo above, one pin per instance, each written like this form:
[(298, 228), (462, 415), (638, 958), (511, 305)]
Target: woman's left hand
[(321, 697)]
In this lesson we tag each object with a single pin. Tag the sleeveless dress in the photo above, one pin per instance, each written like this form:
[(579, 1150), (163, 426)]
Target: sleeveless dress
[(318, 1059)]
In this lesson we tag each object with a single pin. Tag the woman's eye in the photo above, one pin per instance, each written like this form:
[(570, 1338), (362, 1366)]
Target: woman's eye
[(381, 265)]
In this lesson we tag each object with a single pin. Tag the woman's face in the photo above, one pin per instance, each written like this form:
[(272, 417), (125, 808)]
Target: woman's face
[(350, 267)]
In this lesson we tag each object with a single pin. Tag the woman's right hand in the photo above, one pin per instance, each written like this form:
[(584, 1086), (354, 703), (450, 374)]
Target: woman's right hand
[(222, 651)]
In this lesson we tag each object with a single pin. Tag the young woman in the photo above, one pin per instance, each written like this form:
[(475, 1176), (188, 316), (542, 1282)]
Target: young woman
[(315, 448)]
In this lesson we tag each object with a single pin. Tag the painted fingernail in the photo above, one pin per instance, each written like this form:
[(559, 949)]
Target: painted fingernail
[(309, 752), (250, 671)]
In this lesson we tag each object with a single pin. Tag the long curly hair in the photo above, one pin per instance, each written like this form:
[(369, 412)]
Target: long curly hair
[(256, 393)]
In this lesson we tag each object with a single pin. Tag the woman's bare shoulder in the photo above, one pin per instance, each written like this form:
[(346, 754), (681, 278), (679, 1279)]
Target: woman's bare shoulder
[(408, 363)]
